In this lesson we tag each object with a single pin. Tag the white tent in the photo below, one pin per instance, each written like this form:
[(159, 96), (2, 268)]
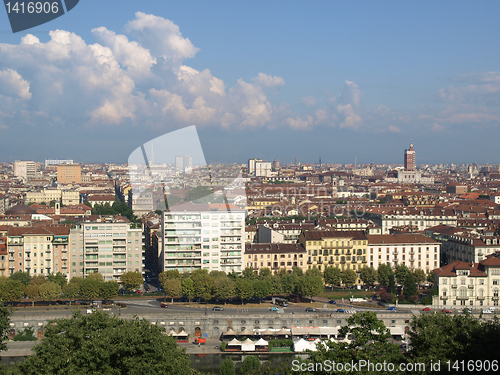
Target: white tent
[(248, 345), (397, 331), (182, 334), (234, 342), (229, 332), (302, 345), (261, 342)]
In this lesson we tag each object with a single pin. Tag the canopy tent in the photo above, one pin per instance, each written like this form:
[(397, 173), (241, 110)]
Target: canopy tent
[(182, 334), (261, 342), (245, 332), (257, 332), (229, 332), (172, 333), (302, 345), (267, 332), (234, 342), (283, 332), (248, 345), (397, 331)]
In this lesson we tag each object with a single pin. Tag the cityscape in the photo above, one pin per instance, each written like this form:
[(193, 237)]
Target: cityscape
[(264, 188)]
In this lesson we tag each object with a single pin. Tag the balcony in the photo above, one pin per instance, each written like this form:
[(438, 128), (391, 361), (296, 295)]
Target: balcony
[(462, 298), (481, 298), (471, 287), (444, 298), (454, 286), (494, 298), (64, 266)]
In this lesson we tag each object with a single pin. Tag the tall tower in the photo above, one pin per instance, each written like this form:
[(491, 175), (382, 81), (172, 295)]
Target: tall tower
[(410, 158)]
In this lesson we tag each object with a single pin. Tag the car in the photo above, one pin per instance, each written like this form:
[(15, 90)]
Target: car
[(426, 309), (333, 302), (163, 304), (217, 308), (340, 310), (138, 291), (488, 311), (274, 308), (446, 311), (393, 308), (310, 309)]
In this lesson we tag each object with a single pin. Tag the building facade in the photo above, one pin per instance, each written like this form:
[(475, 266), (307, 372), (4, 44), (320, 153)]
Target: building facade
[(69, 174), (203, 236), (275, 256), (25, 169), (463, 284)]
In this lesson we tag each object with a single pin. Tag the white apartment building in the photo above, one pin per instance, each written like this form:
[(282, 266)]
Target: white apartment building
[(262, 169), (463, 284), (413, 250), (203, 236), (110, 246), (25, 169)]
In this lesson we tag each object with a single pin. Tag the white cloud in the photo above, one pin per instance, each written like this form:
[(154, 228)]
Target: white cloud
[(12, 84), (350, 119), (393, 129), (265, 80), (161, 36)]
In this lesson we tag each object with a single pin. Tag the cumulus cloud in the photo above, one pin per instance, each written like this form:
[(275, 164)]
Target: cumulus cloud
[(161, 36), (13, 85), (265, 80)]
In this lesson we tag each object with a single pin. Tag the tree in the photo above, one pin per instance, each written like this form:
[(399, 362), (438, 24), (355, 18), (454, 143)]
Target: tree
[(58, 278), (227, 367), (217, 274), (264, 272), (310, 286), (90, 289), (348, 277), (72, 289), (224, 288), (430, 277), (250, 365), (23, 277), (384, 272), (95, 276), (38, 279), (188, 288), (289, 282), (419, 275), (262, 289), (277, 287), (203, 285), (313, 272), (368, 337), (170, 274), (5, 314), (249, 274), (298, 271), (331, 275), (368, 275), (131, 280), (410, 288), (197, 193), (49, 291), (31, 291), (401, 272), (172, 288), (11, 290), (98, 343), (108, 289), (244, 289)]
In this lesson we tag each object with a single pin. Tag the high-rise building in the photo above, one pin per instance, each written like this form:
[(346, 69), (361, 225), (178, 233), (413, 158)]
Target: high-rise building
[(251, 165), (262, 169), (25, 169), (57, 162), (69, 174), (203, 236), (410, 159), (183, 164)]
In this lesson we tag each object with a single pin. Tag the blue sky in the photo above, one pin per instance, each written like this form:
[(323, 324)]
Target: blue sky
[(262, 79)]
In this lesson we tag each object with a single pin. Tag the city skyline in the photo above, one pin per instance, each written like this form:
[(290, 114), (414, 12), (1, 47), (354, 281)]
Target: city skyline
[(330, 80)]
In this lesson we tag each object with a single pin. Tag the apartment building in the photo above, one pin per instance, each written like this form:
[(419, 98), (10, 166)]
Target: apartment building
[(38, 250), (422, 218), (412, 250), (108, 245), (3, 256), (341, 249), (464, 284), (25, 169), (69, 174), (275, 256), (203, 236), (463, 244), (65, 197), (281, 232)]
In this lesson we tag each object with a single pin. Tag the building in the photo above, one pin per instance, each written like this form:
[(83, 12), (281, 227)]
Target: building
[(456, 188), (183, 164), (275, 256), (287, 233), (47, 195), (410, 159), (341, 249), (464, 284), (69, 174), (262, 169), (38, 249), (462, 244), (57, 162), (25, 169), (415, 251), (251, 166), (422, 218), (3, 256), (203, 236), (147, 200), (108, 245)]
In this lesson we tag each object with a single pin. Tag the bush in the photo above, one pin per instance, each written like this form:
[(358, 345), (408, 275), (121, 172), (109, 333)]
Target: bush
[(283, 343), (26, 335), (223, 346)]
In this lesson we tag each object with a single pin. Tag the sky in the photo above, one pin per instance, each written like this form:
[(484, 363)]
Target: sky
[(340, 80)]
